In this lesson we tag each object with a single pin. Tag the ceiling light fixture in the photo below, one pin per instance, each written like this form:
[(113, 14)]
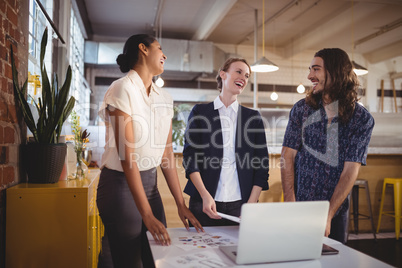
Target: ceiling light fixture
[(301, 89), (358, 69), (263, 65), (274, 96), (159, 82), (158, 22)]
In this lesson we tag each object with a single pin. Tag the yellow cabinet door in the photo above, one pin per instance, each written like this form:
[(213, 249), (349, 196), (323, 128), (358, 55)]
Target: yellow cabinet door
[(53, 225)]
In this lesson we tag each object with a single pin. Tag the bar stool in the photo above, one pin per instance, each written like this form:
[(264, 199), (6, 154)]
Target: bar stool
[(355, 215), (396, 213)]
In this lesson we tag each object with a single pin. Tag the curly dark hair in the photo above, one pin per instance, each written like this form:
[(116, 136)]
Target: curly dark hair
[(343, 86), (225, 67)]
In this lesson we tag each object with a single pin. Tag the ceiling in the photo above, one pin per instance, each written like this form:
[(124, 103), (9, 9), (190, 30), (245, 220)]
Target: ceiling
[(374, 26)]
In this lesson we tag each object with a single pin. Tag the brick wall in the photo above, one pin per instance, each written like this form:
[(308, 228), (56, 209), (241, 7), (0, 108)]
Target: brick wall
[(13, 31)]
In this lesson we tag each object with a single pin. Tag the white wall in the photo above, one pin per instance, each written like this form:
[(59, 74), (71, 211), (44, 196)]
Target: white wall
[(381, 71)]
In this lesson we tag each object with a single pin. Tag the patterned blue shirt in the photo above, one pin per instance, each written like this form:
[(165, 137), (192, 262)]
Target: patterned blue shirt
[(323, 149)]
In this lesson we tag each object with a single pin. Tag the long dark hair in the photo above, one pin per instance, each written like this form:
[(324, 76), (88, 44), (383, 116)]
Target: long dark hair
[(129, 57), (344, 82), (225, 67)]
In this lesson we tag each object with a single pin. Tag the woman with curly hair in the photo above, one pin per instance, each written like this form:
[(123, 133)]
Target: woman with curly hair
[(326, 140)]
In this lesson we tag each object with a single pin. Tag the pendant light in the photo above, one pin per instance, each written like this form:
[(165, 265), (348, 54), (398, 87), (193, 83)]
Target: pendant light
[(274, 96), (159, 82), (301, 89), (263, 65), (357, 68), (158, 21)]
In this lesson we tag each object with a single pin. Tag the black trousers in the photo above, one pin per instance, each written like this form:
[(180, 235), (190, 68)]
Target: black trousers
[(125, 243), (339, 225)]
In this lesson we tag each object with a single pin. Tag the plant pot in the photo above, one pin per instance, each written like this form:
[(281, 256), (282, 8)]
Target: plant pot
[(44, 162)]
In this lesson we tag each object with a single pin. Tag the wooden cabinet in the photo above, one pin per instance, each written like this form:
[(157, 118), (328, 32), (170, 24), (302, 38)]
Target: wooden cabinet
[(53, 225)]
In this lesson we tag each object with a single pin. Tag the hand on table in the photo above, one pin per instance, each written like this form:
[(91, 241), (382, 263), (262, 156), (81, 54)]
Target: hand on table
[(157, 230), (185, 214)]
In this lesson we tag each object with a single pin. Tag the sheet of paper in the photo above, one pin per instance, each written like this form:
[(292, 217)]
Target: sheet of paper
[(229, 217), (202, 259), (203, 240)]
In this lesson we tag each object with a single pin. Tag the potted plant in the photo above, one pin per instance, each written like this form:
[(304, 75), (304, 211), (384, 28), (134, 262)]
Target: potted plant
[(44, 157), (80, 139)]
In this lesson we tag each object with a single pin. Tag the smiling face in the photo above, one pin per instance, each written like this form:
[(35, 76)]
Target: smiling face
[(318, 75), (235, 79), (156, 58)]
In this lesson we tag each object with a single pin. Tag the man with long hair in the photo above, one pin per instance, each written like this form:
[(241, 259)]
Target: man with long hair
[(326, 140)]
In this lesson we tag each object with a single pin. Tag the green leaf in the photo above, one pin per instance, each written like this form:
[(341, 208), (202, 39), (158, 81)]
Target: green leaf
[(20, 95), (67, 110), (43, 47), (53, 108)]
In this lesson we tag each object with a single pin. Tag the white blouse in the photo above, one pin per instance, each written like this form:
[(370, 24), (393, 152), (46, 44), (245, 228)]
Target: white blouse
[(151, 115), (228, 189)]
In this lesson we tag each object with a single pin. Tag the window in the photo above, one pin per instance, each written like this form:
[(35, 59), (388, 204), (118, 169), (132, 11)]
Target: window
[(75, 51), (79, 86), (37, 25)]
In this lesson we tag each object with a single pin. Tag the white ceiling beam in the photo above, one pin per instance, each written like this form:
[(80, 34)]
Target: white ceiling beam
[(274, 16), (324, 30), (218, 11), (383, 2), (384, 29), (384, 53), (340, 21)]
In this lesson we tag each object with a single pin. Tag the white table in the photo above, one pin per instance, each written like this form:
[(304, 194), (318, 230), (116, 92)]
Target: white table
[(347, 257)]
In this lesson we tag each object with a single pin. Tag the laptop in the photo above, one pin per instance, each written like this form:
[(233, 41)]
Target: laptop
[(279, 232)]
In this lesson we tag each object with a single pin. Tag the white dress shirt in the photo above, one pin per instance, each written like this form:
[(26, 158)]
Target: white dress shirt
[(151, 116), (228, 187)]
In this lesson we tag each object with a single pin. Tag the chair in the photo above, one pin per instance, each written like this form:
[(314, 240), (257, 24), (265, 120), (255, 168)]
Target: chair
[(355, 215), (396, 213)]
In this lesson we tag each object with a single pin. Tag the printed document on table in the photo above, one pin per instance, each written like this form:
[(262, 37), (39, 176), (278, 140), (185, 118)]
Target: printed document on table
[(193, 241)]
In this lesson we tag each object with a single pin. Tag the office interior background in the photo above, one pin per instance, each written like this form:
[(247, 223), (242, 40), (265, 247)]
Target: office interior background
[(197, 36)]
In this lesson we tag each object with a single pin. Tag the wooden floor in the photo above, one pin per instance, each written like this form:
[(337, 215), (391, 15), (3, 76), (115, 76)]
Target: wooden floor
[(386, 248)]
